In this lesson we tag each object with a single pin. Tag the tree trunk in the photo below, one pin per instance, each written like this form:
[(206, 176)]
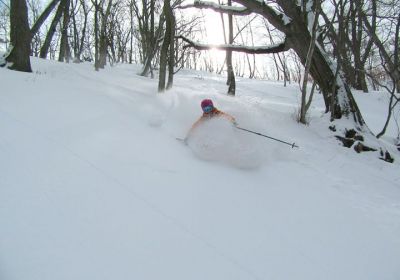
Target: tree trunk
[(132, 29), (103, 37), (49, 37), (311, 48), (359, 64), (64, 46), (231, 75), (96, 36), (165, 46), (75, 35), (20, 37), (171, 57), (35, 28), (83, 35), (149, 36)]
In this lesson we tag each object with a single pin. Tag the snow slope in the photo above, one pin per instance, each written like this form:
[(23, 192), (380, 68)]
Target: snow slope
[(94, 185)]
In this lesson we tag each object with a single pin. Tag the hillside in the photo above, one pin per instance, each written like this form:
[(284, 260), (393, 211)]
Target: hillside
[(94, 184)]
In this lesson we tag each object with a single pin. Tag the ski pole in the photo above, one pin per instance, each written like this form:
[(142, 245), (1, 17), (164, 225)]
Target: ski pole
[(290, 144)]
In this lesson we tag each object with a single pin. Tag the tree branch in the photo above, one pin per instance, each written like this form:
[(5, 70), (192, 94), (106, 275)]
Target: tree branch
[(281, 47), (370, 30), (277, 19), (8, 7)]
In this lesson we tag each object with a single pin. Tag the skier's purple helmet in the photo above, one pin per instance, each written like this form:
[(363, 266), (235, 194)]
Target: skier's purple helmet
[(207, 103)]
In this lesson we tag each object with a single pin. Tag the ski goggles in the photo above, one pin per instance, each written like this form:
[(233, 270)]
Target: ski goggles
[(208, 109)]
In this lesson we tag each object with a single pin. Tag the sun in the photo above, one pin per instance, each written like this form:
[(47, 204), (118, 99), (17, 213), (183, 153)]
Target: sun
[(214, 35)]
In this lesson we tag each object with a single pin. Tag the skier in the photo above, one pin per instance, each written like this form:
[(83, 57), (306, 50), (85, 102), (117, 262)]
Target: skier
[(209, 111)]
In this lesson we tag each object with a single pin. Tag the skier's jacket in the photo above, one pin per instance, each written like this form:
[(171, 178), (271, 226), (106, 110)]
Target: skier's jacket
[(214, 113)]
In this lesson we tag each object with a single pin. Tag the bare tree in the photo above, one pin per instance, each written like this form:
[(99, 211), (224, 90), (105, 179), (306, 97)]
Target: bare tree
[(80, 26), (165, 45), (65, 53), (304, 106), (4, 24), (101, 17), (96, 34), (149, 33), (353, 46), (119, 33), (185, 25), (251, 65), (103, 43), (390, 62), (279, 59), (231, 74), (18, 58), (171, 55)]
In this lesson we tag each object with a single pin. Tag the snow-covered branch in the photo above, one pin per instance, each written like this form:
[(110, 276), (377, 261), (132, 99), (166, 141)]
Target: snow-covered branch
[(280, 47), (236, 11), (278, 19)]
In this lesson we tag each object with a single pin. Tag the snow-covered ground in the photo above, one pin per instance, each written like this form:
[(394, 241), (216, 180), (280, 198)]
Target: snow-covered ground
[(94, 184)]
